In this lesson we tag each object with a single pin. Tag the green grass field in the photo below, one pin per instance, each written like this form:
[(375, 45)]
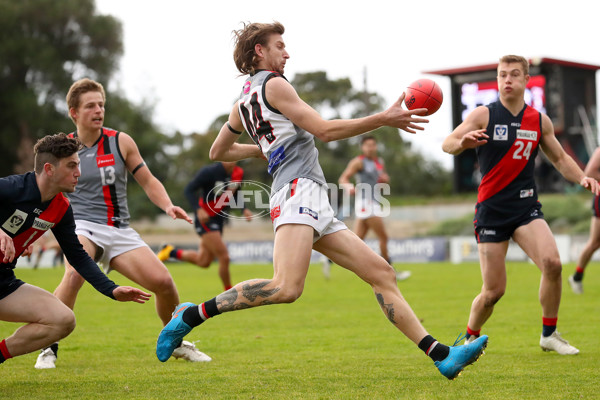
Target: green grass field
[(333, 343)]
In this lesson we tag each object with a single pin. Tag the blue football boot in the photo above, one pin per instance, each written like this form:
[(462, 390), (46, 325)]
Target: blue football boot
[(461, 356), (173, 333)]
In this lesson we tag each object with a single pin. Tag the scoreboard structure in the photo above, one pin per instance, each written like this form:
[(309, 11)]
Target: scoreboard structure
[(564, 90)]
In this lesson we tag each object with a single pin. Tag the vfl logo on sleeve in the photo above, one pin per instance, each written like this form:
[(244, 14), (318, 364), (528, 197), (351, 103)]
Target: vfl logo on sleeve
[(105, 160), (500, 132), (308, 211), (526, 135), (15, 221)]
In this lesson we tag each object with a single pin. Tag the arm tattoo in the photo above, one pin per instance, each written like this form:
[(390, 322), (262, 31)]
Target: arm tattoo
[(387, 308)]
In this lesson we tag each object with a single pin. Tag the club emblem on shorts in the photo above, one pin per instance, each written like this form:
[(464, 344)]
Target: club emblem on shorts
[(500, 132), (308, 211), (15, 221), (275, 212), (488, 232)]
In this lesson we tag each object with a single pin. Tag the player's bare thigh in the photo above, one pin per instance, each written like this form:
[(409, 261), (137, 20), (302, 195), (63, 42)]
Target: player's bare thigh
[(537, 241), (31, 304), (346, 249), (141, 266), (492, 260)]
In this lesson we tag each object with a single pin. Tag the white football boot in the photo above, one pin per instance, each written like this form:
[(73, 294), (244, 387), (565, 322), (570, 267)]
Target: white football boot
[(46, 359), (556, 343), (576, 286), (189, 352)]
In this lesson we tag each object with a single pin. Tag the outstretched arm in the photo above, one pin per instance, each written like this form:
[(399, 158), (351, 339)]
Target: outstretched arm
[(283, 97)]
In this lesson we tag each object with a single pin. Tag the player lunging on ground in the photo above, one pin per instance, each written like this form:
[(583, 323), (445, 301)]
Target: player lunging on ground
[(102, 216), (30, 205)]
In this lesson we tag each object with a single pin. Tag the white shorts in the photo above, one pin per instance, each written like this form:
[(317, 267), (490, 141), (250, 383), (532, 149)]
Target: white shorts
[(304, 201), (367, 207), (111, 241)]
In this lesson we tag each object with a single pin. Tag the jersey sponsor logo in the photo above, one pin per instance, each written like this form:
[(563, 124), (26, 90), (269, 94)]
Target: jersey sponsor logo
[(42, 225), (15, 221), (526, 135), (247, 87), (37, 211), (275, 158), (275, 212), (308, 211), (105, 160), (526, 193), (515, 124), (500, 132)]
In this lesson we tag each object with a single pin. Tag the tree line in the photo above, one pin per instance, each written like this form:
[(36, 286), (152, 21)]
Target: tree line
[(45, 45)]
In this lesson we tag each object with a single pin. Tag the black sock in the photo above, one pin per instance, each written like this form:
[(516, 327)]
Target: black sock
[(173, 253), (193, 317), (434, 349), (578, 276), (54, 348)]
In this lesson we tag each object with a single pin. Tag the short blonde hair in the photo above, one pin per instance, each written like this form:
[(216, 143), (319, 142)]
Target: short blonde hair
[(508, 59), (80, 87)]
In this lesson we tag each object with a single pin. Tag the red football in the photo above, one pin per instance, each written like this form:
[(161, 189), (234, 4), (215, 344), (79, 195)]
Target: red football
[(424, 93)]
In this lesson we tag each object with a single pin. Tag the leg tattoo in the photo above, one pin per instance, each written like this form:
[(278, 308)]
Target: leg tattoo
[(251, 290), (387, 308)]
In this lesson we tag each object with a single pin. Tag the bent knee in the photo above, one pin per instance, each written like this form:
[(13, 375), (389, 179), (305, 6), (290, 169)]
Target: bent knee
[(289, 294), (491, 297), (552, 267), (162, 284), (63, 322)]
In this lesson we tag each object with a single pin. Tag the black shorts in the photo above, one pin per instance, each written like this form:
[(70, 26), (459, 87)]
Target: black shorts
[(8, 282), (214, 224), (495, 233), (596, 206)]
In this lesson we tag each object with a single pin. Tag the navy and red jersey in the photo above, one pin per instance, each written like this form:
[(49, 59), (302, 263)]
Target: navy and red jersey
[(210, 185), (25, 218), (507, 189)]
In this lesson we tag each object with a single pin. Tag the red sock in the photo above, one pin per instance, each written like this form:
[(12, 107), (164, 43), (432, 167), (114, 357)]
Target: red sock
[(228, 287), (4, 350), (579, 270), (471, 332), (178, 254)]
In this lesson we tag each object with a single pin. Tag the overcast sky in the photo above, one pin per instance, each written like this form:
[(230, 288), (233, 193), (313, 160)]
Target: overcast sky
[(178, 53)]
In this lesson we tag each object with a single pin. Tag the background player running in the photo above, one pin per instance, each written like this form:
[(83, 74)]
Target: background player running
[(576, 280), (209, 194), (369, 170)]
